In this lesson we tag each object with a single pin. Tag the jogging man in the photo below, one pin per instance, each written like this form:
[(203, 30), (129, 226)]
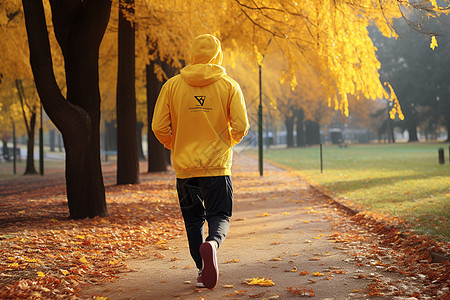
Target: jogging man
[(200, 115)]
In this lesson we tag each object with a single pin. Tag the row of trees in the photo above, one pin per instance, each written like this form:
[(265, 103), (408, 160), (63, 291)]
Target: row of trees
[(326, 54), (418, 74)]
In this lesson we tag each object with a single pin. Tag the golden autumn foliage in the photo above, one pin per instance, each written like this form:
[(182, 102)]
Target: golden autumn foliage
[(331, 37), (328, 39)]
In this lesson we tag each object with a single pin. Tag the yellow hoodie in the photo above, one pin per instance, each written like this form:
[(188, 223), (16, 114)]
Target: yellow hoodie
[(200, 114)]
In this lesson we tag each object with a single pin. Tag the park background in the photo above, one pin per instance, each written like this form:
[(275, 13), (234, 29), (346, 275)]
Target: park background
[(368, 84)]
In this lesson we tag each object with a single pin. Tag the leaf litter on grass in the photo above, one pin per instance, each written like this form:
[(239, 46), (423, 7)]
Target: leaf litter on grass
[(53, 257)]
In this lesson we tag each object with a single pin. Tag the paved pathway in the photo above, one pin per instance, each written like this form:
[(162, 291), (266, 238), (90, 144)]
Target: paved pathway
[(281, 228)]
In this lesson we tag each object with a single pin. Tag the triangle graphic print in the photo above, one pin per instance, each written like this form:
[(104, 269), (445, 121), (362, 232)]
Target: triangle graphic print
[(200, 99)]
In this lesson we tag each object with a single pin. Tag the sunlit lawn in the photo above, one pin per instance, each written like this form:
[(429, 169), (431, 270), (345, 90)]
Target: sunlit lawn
[(404, 180)]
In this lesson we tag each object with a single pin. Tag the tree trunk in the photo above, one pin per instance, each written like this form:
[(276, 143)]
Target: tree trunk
[(127, 144), (30, 169), (79, 28), (157, 154), (300, 130), (140, 126), (60, 143), (52, 135), (390, 131), (412, 130), (30, 126), (5, 153), (289, 123), (312, 133)]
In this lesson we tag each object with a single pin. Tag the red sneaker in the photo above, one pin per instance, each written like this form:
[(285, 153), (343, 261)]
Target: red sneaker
[(210, 272)]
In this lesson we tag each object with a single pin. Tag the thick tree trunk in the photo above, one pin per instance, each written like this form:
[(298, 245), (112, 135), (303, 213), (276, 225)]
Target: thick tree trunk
[(289, 123), (79, 27), (83, 169), (157, 154), (127, 144), (30, 169), (300, 130)]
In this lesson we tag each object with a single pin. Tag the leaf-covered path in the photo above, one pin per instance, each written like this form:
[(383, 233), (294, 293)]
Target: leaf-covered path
[(282, 230)]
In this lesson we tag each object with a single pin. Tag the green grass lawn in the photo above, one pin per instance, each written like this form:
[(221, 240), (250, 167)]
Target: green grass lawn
[(404, 180)]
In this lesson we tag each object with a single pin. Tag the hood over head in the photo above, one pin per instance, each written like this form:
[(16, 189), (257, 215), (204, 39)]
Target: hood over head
[(206, 60)]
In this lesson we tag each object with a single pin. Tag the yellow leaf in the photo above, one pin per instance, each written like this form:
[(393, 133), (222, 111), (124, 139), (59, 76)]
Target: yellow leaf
[(317, 274), (83, 260), (434, 3), (80, 236), (261, 281), (263, 215), (433, 43), (64, 272), (40, 274), (285, 213)]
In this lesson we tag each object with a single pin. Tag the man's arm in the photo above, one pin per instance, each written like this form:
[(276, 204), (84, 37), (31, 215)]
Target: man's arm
[(161, 123), (238, 116)]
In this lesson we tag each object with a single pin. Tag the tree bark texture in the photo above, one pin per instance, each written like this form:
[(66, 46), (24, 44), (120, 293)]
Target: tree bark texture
[(127, 143), (157, 154), (79, 28)]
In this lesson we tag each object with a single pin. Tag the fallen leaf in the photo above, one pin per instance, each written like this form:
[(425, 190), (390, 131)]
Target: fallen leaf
[(304, 273), (64, 272), (261, 281), (263, 215), (231, 261)]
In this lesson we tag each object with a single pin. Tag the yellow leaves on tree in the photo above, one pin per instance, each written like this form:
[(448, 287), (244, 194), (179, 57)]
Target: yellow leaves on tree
[(396, 109), (433, 43)]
